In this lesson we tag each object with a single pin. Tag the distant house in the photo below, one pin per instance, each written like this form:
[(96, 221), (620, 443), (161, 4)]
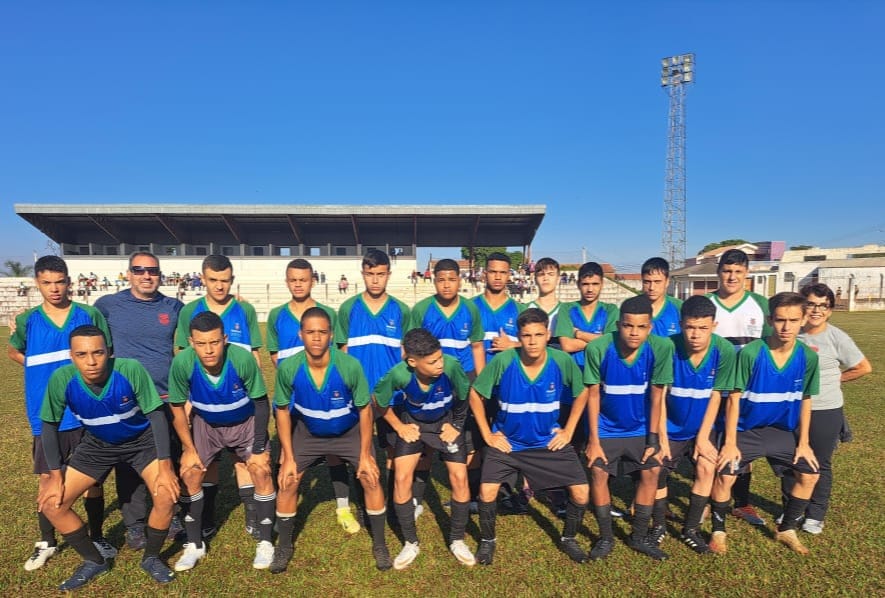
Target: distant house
[(856, 274)]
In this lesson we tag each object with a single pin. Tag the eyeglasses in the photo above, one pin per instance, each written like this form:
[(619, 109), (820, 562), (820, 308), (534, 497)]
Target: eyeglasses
[(817, 306), (152, 270)]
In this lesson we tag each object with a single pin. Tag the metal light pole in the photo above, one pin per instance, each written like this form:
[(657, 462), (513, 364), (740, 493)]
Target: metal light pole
[(676, 73)]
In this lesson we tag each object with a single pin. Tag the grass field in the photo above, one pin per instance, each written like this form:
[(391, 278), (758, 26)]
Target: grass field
[(847, 559)]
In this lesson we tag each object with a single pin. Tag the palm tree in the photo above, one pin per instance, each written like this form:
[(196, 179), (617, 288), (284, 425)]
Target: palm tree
[(16, 269)]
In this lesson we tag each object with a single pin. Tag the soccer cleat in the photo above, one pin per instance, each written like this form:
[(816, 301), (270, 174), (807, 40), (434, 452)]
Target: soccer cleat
[(617, 513), (748, 514), (462, 553), (657, 534), (718, 543), (42, 553), (105, 549), (135, 538), (281, 557), (813, 526), (382, 557), (157, 569), (86, 572), (263, 555), (602, 548), (419, 510), (406, 555), (346, 520), (573, 550), (485, 554), (792, 541), (208, 532), (693, 539), (190, 556), (646, 546)]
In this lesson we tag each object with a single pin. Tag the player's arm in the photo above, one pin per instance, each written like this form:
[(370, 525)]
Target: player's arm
[(498, 440), (664, 452), (451, 431), (368, 469), (853, 373), (479, 356), (572, 344), (166, 477), (408, 432), (703, 448), (260, 458), (17, 340), (257, 357), (729, 455), (15, 355), (594, 445)]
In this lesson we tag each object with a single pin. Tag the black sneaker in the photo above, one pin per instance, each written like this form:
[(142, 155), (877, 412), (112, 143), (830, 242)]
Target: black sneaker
[(485, 554), (382, 557), (646, 546), (692, 538), (209, 532), (573, 550), (135, 538), (86, 572), (657, 534), (602, 548), (157, 569), (281, 557)]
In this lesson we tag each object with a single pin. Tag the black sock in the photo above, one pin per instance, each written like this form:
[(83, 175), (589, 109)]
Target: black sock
[(193, 507), (340, 483), (603, 515), (719, 513), (659, 512), (47, 532), (419, 485), (696, 504), (247, 497), (574, 513), (641, 515), (405, 516), (460, 517), (286, 529), (80, 541), (155, 538), (488, 512), (741, 490), (391, 484), (474, 476), (210, 493), (376, 527), (265, 507), (95, 515), (793, 514)]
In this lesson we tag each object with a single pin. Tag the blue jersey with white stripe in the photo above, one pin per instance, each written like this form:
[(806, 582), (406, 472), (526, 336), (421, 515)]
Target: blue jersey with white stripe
[(572, 316), (455, 333), (240, 323), (495, 320), (667, 322), (374, 339), (284, 331)]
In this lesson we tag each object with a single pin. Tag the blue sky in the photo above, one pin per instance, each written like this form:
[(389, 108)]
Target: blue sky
[(554, 103)]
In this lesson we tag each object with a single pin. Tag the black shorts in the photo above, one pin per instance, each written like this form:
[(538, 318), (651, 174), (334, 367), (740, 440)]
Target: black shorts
[(582, 430), (624, 455), (680, 449), (386, 436), (473, 441), (430, 440), (67, 442), (542, 467), (776, 445), (310, 450), (95, 457)]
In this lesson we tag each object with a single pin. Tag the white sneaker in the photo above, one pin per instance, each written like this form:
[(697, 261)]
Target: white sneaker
[(42, 553), (263, 555), (462, 553), (813, 526), (105, 549), (190, 556), (406, 555), (419, 509)]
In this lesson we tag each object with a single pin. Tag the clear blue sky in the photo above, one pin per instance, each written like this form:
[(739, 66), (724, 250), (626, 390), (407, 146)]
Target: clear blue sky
[(453, 102)]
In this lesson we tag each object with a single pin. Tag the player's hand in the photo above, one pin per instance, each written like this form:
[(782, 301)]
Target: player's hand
[(704, 449), (190, 460), (652, 452), (167, 481), (499, 441), (409, 432), (663, 453), (52, 492), (729, 456), (805, 452), (594, 452), (259, 463), (561, 439), (368, 471), (449, 433), (12, 318), (287, 475), (500, 342)]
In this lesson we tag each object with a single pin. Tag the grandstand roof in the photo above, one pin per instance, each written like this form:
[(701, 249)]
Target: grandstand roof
[(284, 225)]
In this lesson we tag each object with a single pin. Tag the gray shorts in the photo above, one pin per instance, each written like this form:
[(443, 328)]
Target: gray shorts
[(67, 442), (310, 450), (210, 440)]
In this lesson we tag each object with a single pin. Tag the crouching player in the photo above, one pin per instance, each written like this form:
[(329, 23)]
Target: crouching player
[(125, 423), (230, 411), (703, 367), (529, 383), (326, 393), (431, 414), (771, 417)]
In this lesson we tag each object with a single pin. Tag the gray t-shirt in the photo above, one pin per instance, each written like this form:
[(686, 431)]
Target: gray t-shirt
[(836, 352)]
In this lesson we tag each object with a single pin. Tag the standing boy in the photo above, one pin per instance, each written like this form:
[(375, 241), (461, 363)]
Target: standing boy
[(498, 311), (547, 280), (655, 275), (589, 318)]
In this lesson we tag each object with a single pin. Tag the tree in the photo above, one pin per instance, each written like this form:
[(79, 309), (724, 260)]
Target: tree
[(16, 269), (480, 254), (724, 243)]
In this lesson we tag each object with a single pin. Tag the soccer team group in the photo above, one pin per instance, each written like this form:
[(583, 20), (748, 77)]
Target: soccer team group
[(515, 399)]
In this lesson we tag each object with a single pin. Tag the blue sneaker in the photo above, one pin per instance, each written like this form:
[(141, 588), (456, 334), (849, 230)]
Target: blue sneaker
[(157, 569), (86, 572)]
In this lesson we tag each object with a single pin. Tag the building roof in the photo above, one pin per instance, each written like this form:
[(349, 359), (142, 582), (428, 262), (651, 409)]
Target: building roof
[(856, 262), (287, 225)]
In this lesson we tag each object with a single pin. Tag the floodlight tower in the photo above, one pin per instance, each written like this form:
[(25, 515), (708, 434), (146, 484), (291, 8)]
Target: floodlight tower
[(676, 73)]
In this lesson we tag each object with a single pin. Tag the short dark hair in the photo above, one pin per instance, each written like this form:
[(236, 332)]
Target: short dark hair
[(419, 342), (136, 254), (532, 315), (216, 263), (589, 269), (698, 306), (86, 330), (544, 263), (638, 305), (446, 265), (785, 299), (375, 257), (819, 290), (497, 256), (206, 321), (316, 312), (299, 264), (51, 263), (656, 264), (733, 257)]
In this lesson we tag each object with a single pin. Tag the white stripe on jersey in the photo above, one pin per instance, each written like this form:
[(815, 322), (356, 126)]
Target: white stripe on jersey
[(437, 405), (212, 408), (243, 345), (452, 343), (772, 397), (108, 419), (530, 407), (490, 336), (327, 415), (373, 339), (284, 353), (44, 358), (690, 393), (625, 389)]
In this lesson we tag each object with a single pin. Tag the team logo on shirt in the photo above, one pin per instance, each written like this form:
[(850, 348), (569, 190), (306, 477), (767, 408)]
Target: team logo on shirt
[(124, 400), (237, 326), (164, 318), (391, 327)]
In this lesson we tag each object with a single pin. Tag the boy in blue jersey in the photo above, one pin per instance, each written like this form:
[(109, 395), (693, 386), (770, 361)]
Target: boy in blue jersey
[(498, 311), (770, 418), (40, 345), (525, 436), (655, 275), (626, 372), (323, 407), (703, 367), (124, 421), (229, 410), (589, 318), (430, 414)]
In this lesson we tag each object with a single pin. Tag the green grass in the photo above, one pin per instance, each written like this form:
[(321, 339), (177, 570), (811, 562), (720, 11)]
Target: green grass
[(846, 559)]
